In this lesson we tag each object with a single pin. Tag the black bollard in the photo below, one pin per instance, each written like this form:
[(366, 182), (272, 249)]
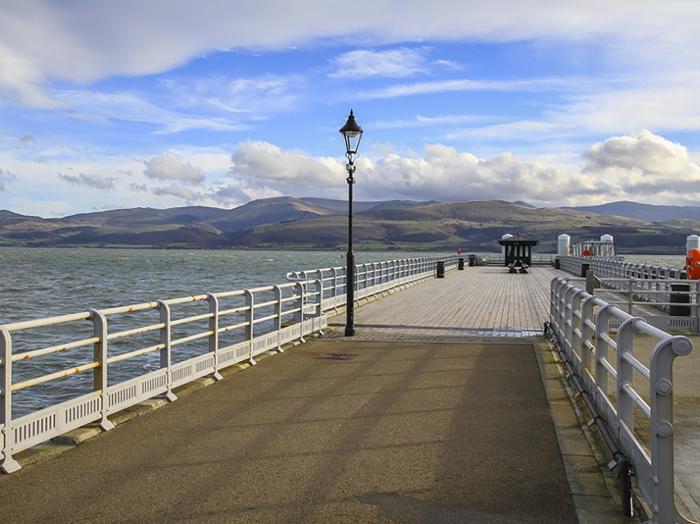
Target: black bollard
[(460, 263), (440, 269), (680, 294)]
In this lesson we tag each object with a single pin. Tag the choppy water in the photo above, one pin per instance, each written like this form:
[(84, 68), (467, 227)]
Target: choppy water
[(37, 283)]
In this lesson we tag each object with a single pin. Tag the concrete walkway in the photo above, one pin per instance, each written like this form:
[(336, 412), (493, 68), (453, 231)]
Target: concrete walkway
[(330, 431)]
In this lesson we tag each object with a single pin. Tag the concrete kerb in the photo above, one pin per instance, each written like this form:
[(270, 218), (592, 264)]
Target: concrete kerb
[(594, 488), (69, 440)]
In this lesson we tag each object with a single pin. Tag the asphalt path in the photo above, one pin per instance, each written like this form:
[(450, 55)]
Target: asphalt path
[(330, 431)]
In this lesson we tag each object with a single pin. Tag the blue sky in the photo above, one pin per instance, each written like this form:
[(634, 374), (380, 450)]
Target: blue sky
[(215, 103)]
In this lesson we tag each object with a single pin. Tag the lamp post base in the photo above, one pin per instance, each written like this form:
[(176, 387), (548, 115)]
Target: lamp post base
[(349, 331)]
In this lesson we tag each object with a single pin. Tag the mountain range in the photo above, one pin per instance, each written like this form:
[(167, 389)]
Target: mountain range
[(320, 223)]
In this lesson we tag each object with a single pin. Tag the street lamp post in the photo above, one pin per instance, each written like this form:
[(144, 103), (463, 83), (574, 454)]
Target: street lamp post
[(352, 133)]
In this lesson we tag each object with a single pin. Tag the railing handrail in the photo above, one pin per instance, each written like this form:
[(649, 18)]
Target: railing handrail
[(581, 324), (304, 299)]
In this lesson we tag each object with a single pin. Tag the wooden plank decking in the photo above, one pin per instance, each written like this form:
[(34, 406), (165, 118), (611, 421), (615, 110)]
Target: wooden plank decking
[(476, 302)]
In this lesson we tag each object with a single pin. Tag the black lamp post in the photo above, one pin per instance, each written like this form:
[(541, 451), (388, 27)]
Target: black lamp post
[(352, 133)]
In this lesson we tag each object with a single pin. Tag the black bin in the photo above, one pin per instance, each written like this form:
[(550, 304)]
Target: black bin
[(584, 269), (460, 263), (441, 269), (557, 263), (680, 294), (472, 260)]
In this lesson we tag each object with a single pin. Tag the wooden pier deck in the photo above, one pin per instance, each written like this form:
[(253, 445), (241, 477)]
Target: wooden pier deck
[(478, 302)]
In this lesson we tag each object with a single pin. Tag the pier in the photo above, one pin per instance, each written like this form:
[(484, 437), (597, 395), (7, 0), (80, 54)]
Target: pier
[(448, 405)]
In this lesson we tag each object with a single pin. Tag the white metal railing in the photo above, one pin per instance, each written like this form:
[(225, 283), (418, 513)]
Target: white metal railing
[(639, 285), (613, 268), (610, 371), (537, 259), (232, 326), (373, 277)]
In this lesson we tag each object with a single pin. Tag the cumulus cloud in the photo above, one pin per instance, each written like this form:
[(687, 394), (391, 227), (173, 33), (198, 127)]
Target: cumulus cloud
[(261, 164), (168, 166), (643, 163), (640, 166), (442, 173), (395, 63), (103, 183)]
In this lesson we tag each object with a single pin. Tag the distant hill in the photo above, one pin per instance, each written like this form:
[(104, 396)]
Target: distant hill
[(646, 212), (319, 223)]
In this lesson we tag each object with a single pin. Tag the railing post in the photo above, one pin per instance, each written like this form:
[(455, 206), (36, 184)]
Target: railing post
[(278, 313), (661, 430), (630, 295), (213, 303), (602, 326), (334, 272), (586, 332), (8, 463), (319, 273), (99, 375), (319, 305), (625, 373), (300, 290), (166, 354), (250, 327)]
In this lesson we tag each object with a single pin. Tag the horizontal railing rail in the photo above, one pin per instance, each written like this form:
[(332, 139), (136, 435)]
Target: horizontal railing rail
[(660, 287), (538, 259), (372, 277), (609, 363), (613, 268), (230, 326)]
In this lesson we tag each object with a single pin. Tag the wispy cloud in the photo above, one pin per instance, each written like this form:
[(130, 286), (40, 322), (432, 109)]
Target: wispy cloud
[(393, 63), (131, 107), (426, 121), (466, 84)]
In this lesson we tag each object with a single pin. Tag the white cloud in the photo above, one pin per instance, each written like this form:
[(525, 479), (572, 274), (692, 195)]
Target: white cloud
[(94, 105), (94, 181), (168, 166), (463, 84), (394, 63), (246, 97), (21, 78), (427, 121), (644, 164), (5, 177), (183, 193), (262, 164), (85, 41)]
